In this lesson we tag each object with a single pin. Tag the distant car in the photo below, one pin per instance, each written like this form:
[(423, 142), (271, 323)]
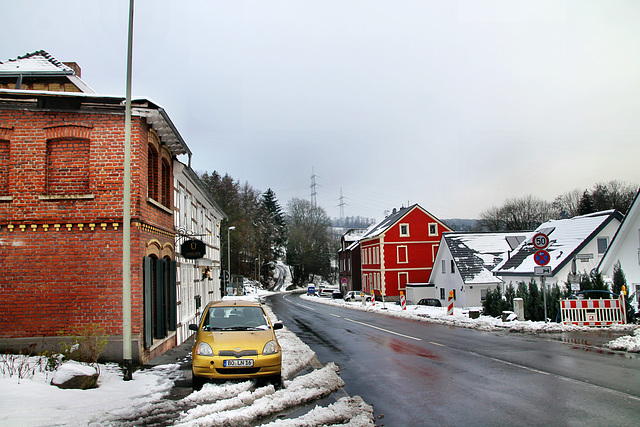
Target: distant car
[(326, 292), (235, 339), (336, 295), (431, 302), (356, 296), (407, 302), (311, 289)]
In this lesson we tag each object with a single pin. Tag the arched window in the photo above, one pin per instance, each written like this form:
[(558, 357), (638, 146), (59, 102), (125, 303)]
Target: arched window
[(166, 183), (152, 173)]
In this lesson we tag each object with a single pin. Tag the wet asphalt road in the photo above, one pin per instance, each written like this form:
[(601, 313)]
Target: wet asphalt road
[(415, 373)]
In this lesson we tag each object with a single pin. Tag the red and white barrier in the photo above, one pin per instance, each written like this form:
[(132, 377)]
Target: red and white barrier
[(373, 298), (402, 301), (450, 304), (592, 312)]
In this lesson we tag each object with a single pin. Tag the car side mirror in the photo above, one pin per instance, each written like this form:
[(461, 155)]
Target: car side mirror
[(278, 325), (193, 327)]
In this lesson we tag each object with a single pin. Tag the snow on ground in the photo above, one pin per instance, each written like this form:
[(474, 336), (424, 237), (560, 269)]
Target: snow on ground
[(461, 318), (33, 401)]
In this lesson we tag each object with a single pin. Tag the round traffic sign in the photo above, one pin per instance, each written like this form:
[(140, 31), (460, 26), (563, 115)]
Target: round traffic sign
[(540, 241), (542, 257)]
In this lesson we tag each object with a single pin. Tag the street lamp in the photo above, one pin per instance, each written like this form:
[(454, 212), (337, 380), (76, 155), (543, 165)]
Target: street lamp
[(229, 251)]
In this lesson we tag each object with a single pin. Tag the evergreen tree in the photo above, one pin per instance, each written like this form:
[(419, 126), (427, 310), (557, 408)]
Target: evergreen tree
[(586, 204), (620, 280), (534, 307)]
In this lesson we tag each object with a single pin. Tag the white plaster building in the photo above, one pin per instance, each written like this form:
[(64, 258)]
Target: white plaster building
[(625, 248), (197, 216)]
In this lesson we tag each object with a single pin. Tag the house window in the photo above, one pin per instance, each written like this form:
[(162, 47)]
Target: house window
[(402, 255), (603, 242), (453, 267), (404, 230), (166, 183), (442, 293), (483, 294), (403, 279), (444, 266), (4, 167), (68, 166), (433, 229), (152, 173)]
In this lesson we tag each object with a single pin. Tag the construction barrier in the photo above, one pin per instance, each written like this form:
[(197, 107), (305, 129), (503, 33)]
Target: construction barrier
[(373, 298), (402, 301), (450, 304), (592, 312)]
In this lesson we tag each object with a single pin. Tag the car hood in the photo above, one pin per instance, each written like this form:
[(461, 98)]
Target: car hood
[(231, 340)]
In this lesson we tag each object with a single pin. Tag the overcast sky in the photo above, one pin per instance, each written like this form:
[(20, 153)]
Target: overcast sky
[(456, 106)]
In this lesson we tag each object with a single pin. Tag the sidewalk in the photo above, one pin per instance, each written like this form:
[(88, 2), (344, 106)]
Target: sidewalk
[(180, 354)]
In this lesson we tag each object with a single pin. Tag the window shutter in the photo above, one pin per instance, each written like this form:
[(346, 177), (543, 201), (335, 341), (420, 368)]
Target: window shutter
[(160, 331), (172, 296), (148, 296)]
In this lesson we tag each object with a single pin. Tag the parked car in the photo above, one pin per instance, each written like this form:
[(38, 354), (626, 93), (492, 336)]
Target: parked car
[(326, 291), (336, 295), (407, 302), (356, 296), (431, 302), (235, 339)]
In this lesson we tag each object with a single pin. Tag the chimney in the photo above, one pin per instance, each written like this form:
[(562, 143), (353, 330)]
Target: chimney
[(75, 67)]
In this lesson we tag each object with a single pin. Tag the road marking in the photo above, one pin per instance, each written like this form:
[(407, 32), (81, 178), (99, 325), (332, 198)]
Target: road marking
[(384, 330), (438, 344), (335, 315)]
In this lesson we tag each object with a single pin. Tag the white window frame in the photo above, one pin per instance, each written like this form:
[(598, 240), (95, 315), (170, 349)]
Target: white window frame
[(435, 232), (406, 232), (406, 254)]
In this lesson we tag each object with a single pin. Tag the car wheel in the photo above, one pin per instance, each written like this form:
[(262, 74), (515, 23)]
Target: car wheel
[(197, 382), (276, 380)]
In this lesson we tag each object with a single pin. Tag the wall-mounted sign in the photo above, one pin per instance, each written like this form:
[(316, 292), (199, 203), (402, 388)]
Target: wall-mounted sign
[(193, 249)]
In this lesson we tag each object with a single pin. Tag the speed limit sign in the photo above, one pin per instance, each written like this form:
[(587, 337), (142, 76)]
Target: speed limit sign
[(540, 241)]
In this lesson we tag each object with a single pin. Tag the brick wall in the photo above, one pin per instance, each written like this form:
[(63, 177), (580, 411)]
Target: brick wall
[(61, 221)]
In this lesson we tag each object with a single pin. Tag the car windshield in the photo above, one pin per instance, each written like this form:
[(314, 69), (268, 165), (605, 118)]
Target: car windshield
[(235, 319)]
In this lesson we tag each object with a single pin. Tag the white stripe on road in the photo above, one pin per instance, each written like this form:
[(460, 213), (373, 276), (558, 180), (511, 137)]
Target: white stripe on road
[(384, 330)]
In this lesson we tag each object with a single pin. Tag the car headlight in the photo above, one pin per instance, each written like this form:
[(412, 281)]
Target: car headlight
[(204, 349), (270, 348)]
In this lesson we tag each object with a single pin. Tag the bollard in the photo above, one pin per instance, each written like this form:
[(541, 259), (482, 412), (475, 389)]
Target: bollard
[(402, 301), (373, 299), (450, 304)]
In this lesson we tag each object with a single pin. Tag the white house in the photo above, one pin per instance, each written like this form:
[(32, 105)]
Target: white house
[(197, 216), (576, 246), (465, 261), (625, 248)]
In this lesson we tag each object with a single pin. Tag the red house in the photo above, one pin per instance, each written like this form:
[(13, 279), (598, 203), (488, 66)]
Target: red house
[(400, 249)]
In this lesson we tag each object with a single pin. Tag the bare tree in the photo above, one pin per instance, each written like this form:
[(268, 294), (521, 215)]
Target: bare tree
[(567, 204), (524, 213)]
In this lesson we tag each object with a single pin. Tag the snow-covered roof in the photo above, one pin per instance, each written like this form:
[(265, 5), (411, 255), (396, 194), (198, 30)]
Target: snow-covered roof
[(41, 64), (476, 254), (567, 237)]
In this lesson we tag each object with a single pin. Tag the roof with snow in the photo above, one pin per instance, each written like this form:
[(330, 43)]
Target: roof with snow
[(38, 65), (476, 254), (567, 238)]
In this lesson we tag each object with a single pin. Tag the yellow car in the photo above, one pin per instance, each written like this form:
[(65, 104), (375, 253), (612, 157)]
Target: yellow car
[(235, 339)]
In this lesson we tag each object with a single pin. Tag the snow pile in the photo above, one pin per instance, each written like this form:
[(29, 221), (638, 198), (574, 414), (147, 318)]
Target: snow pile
[(265, 401), (143, 399), (630, 343), (71, 369)]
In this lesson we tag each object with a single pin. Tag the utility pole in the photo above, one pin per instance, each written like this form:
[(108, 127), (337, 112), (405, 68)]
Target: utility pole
[(127, 362), (313, 188), (341, 204)]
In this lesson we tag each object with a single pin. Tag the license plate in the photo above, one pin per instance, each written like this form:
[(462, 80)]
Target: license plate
[(238, 363)]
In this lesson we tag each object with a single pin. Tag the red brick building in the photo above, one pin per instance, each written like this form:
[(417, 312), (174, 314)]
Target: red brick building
[(61, 201), (400, 249)]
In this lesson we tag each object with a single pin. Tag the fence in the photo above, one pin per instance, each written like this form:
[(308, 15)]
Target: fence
[(592, 312)]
